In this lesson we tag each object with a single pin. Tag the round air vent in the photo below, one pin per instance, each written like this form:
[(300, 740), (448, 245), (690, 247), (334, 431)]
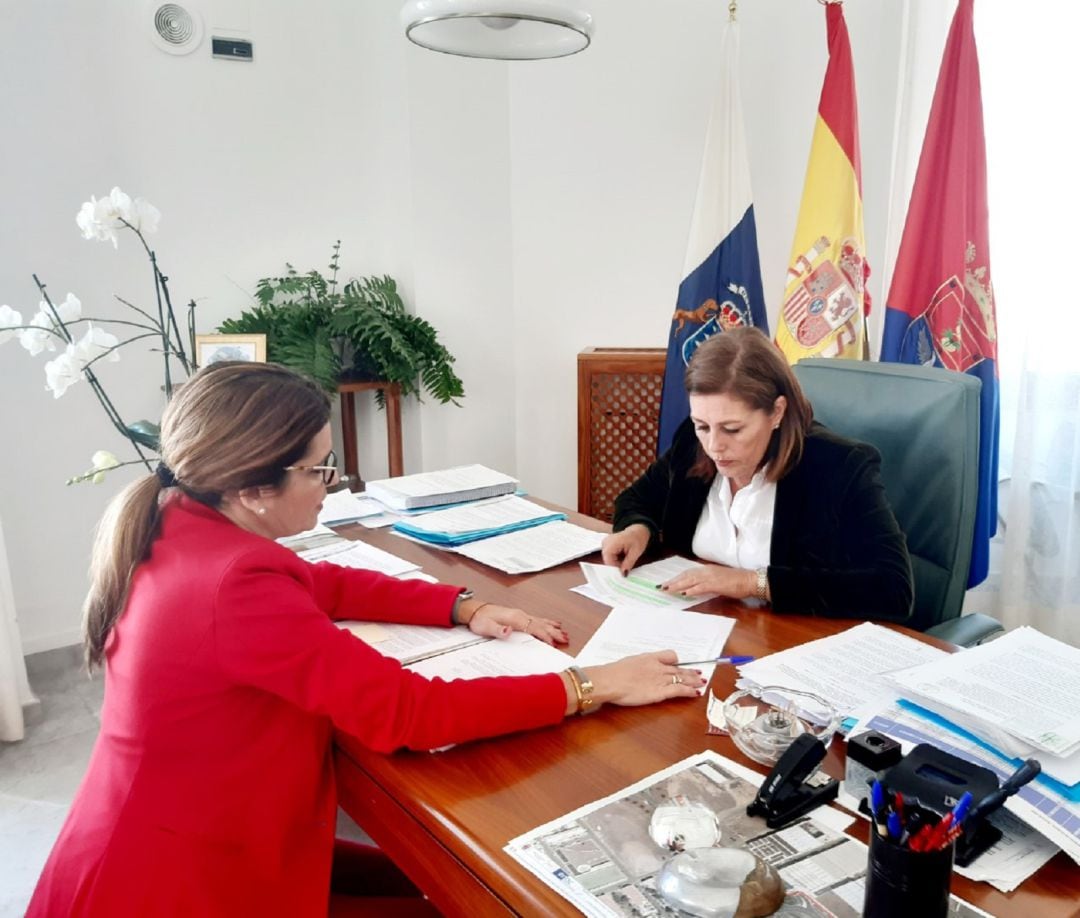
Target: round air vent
[(174, 28)]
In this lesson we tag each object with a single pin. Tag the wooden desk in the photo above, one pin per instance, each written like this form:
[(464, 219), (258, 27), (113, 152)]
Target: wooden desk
[(392, 393), (445, 817)]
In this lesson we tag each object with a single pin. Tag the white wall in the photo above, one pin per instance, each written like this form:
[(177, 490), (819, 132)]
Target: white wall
[(527, 210)]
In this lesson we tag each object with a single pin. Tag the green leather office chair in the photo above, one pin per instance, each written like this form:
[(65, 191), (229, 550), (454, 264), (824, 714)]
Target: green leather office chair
[(925, 423)]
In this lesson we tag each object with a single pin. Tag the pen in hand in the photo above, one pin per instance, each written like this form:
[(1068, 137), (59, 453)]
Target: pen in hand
[(734, 661)]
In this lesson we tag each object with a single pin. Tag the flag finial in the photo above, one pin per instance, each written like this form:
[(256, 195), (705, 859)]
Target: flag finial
[(731, 7)]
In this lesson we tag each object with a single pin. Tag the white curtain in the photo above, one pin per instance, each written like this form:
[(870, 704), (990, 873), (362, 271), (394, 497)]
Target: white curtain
[(1026, 57), (14, 687)]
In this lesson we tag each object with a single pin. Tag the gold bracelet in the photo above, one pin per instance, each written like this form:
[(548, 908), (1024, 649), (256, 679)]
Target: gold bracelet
[(584, 687), (578, 694)]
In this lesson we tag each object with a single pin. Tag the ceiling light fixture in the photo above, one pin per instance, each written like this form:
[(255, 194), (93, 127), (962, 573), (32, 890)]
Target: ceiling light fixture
[(508, 30)]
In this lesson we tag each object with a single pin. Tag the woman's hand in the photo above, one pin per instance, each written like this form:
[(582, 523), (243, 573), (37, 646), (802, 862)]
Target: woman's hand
[(733, 582), (490, 620), (622, 549), (641, 679)]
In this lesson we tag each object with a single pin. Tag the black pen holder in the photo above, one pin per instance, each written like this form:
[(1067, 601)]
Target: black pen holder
[(901, 883)]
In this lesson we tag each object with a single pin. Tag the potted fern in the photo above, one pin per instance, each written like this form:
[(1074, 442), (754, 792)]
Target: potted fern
[(358, 331)]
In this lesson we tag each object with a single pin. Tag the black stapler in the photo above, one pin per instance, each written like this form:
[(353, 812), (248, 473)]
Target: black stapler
[(794, 786)]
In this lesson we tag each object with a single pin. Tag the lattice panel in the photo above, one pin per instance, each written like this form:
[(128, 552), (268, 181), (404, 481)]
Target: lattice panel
[(624, 420)]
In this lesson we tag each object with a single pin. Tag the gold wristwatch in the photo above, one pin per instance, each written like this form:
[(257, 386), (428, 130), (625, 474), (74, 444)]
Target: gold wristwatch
[(762, 584)]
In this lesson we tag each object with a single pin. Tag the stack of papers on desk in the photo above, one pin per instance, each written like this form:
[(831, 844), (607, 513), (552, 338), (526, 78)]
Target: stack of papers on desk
[(535, 549), (449, 486), (472, 522), (411, 643), (359, 555), (340, 507), (846, 669), (998, 704)]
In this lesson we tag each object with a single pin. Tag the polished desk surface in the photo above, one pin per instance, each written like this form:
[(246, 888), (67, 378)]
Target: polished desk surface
[(445, 817)]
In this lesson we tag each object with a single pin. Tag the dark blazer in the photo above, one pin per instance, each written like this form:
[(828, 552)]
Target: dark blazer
[(836, 548)]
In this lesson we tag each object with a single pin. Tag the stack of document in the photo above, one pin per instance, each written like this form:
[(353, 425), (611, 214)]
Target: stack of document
[(847, 669), (472, 522), (535, 549), (359, 555), (999, 704), (342, 507), (449, 486)]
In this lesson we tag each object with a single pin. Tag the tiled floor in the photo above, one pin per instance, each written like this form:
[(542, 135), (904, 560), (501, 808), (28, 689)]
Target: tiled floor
[(40, 774)]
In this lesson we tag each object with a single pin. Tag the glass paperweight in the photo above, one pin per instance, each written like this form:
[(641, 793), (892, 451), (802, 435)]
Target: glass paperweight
[(684, 823), (763, 725)]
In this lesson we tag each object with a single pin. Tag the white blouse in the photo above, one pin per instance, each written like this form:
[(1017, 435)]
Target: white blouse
[(737, 532)]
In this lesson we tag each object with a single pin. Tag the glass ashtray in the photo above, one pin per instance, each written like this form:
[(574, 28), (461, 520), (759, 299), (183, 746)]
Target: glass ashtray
[(765, 723)]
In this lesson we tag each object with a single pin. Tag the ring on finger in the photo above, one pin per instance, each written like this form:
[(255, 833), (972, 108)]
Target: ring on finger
[(528, 624), (675, 680)]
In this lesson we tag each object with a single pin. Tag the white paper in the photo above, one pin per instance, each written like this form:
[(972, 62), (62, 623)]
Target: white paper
[(517, 655), (615, 589), (344, 507), (1026, 683), (534, 549), (310, 538), (630, 630), (845, 669), (506, 511), (361, 555), (397, 492), (409, 643)]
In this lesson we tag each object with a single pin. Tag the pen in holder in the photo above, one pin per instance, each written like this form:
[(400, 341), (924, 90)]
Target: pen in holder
[(902, 881)]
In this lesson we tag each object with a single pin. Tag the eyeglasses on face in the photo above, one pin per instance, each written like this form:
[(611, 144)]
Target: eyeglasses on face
[(328, 468)]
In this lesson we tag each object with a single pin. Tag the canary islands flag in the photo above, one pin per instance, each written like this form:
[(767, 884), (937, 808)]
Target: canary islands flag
[(940, 307), (721, 285), (825, 298)]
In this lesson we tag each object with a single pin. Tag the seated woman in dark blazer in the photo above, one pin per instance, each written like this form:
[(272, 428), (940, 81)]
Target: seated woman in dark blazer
[(784, 510), (211, 789)]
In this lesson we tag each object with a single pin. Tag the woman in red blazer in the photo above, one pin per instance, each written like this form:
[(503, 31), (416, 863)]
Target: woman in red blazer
[(210, 790)]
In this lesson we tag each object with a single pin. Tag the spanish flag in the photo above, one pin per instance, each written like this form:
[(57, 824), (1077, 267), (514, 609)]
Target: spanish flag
[(825, 298)]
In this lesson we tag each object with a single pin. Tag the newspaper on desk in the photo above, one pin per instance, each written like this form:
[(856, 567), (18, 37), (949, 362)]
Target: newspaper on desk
[(602, 859)]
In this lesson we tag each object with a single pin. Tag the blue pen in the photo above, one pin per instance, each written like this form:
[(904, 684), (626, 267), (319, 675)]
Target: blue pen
[(877, 805), (896, 828), (734, 661)]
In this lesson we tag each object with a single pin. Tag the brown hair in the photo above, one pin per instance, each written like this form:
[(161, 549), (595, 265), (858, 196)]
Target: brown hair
[(231, 426), (746, 365)]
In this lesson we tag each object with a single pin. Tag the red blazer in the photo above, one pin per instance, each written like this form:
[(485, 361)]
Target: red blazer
[(210, 790)]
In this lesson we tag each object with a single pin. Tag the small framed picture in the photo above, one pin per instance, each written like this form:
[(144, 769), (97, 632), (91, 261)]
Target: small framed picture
[(212, 348)]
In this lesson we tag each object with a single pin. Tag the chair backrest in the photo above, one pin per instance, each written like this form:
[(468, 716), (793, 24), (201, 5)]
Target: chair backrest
[(925, 423), (618, 422)]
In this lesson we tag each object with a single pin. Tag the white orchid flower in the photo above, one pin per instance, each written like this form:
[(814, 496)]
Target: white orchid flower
[(97, 220), (145, 217), (100, 463), (101, 218), (63, 371), (94, 343), (39, 338), (69, 310), (9, 319)]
